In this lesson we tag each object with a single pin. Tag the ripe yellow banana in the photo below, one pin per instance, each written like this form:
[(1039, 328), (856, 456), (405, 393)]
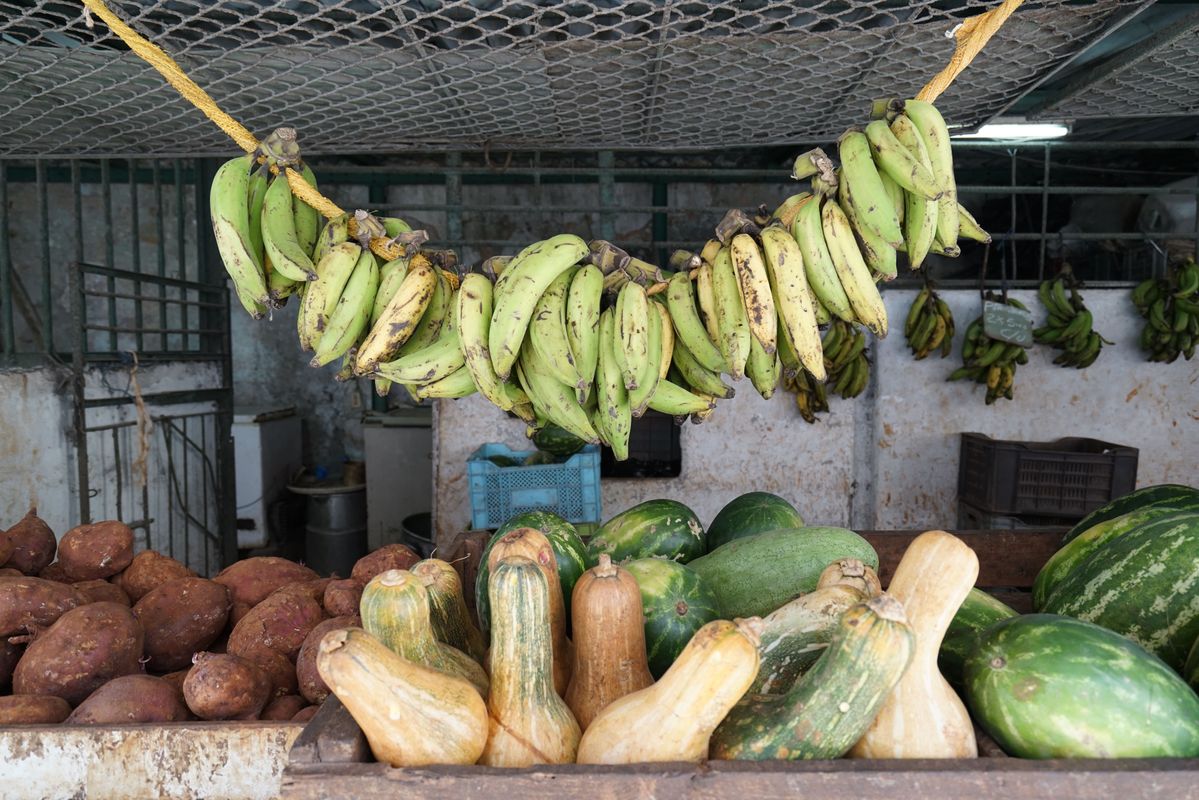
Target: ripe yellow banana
[(582, 323), (279, 233), (431, 363), (352, 313), (229, 204), (435, 316), (706, 298), (871, 204), (852, 270), (920, 214), (754, 286), (935, 133), (818, 262), (547, 330), (398, 321), (730, 315), (789, 284), (321, 296)]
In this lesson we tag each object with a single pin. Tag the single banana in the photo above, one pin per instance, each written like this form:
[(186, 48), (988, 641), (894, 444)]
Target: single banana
[(793, 297), (547, 330), (280, 288), (523, 282), (935, 133), (649, 370), (969, 228), (456, 385), (474, 319), (279, 234), (730, 315), (582, 323), (391, 277), (668, 341), (398, 321), (349, 319), (320, 296), (260, 180), (822, 315), (433, 363), (896, 193), (878, 254), (852, 270), (611, 394), (229, 205), (680, 300), (554, 398), (699, 377), (872, 205), (633, 328), (788, 358), (789, 208), (763, 369), (897, 161), (335, 231), (434, 318), (754, 287), (920, 214), (705, 297), (818, 262), (672, 399), (307, 218)]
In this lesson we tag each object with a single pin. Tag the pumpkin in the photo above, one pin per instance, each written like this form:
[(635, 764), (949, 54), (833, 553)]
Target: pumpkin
[(609, 640), (448, 614)]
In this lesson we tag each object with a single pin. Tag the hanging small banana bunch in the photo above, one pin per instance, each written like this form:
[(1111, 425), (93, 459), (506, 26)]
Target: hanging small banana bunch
[(929, 325)]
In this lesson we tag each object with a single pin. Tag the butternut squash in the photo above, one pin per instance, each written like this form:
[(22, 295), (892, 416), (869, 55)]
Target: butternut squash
[(923, 717), (795, 635), (609, 640), (395, 610), (532, 544), (448, 614), (674, 719), (851, 572), (412, 716), (529, 722)]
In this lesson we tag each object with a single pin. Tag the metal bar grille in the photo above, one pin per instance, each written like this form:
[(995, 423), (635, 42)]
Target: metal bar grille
[(358, 76)]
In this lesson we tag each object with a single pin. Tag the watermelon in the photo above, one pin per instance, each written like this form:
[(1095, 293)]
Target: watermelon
[(1191, 670), (751, 514), (1081, 547), (676, 604), (753, 576), (1162, 494), (656, 528), (1144, 585), (978, 612), (556, 441), (1045, 686), (568, 549)]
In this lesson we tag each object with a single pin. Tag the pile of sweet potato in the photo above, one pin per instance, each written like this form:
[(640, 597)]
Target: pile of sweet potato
[(101, 636)]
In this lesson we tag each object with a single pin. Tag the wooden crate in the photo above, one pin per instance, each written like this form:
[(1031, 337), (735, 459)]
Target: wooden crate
[(331, 757)]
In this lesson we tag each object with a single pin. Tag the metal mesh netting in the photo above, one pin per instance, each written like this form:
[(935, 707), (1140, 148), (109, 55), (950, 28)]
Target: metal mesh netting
[(378, 76), (1161, 81)]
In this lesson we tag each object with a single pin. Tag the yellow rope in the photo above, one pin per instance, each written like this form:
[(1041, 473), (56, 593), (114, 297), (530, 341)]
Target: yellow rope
[(972, 35)]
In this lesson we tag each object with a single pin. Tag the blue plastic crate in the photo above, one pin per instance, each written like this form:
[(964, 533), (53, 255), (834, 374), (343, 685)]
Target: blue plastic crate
[(570, 489)]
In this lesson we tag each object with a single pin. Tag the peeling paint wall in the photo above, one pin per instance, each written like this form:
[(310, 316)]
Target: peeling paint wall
[(903, 474), (34, 451)]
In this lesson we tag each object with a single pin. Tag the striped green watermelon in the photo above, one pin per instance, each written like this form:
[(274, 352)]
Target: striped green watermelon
[(656, 528), (1144, 585), (1081, 547), (557, 441), (978, 612), (676, 605), (750, 514), (569, 550), (1162, 494), (1191, 670), (1045, 686)]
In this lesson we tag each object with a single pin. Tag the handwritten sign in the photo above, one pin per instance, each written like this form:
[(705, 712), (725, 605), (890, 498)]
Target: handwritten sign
[(1007, 323)]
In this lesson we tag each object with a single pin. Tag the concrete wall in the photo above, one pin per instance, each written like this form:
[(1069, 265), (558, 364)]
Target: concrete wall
[(888, 459), (38, 467)]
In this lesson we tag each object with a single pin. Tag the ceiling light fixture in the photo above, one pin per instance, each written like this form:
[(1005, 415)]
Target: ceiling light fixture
[(1019, 130)]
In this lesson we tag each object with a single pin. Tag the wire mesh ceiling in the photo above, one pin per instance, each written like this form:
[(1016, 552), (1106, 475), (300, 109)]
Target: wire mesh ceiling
[(359, 76), (1160, 80)]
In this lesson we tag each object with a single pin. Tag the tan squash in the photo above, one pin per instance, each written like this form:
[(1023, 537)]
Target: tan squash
[(448, 614), (529, 722), (609, 640), (412, 716), (923, 717), (395, 610), (531, 543), (673, 720), (851, 572)]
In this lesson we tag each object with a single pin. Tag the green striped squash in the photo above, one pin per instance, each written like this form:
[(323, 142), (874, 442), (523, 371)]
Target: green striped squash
[(751, 514), (1162, 494), (1143, 585), (676, 604), (796, 634), (653, 529), (978, 612), (1045, 686)]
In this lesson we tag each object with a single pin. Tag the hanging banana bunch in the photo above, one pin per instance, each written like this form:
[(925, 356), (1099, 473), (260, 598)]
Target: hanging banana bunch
[(1069, 327), (990, 361), (929, 325), (1170, 306)]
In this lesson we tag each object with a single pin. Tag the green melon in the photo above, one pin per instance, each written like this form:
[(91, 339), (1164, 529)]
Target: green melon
[(1045, 686), (1191, 670), (676, 604), (1162, 494), (978, 612), (557, 441), (751, 514), (654, 529), (1144, 585), (569, 551)]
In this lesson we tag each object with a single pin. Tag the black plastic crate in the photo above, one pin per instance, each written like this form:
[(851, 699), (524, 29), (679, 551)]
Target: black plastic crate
[(1066, 479), (974, 519), (655, 450)]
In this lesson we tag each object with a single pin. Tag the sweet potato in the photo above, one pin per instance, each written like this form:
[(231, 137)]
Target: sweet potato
[(33, 602), (180, 618), (148, 570), (389, 556), (6, 546), (282, 709), (225, 687), (10, 654), (342, 597), (306, 713), (176, 679), (312, 685), (314, 589), (10, 572), (131, 698), (278, 668), (279, 623), (251, 580), (33, 544), (87, 647), (102, 591), (96, 550), (33, 709)]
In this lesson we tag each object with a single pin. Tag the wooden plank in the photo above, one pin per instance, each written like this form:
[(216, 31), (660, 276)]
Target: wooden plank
[(331, 737), (1005, 558), (984, 778)]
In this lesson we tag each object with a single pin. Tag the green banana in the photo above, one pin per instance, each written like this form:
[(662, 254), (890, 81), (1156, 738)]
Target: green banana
[(229, 205), (259, 182), (321, 296), (871, 203), (920, 213), (553, 397), (432, 363), (899, 164), (279, 234), (935, 133), (793, 297), (307, 219), (335, 231), (474, 300), (611, 394), (730, 315), (633, 329), (350, 316), (699, 377), (818, 262), (969, 228), (914, 310), (455, 386), (763, 369), (705, 297), (690, 329), (547, 330), (582, 323), (670, 398), (879, 256), (649, 372), (852, 270)]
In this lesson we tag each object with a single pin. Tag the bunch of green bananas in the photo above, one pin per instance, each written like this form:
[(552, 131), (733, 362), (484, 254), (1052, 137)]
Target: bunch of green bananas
[(989, 361), (811, 397), (1171, 307), (929, 324), (1069, 327), (845, 359)]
